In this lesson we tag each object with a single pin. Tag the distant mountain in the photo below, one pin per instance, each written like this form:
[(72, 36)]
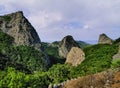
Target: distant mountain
[(83, 44)]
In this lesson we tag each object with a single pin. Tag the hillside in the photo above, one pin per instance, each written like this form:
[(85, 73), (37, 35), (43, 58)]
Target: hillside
[(20, 46), (20, 57), (23, 64)]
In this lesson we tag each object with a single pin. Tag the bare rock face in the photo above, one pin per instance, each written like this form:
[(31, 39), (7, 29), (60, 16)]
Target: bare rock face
[(17, 26), (117, 56), (76, 56), (65, 46), (104, 39)]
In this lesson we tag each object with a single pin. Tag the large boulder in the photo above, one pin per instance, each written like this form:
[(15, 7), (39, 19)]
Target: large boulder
[(104, 39), (17, 26), (76, 56), (65, 46)]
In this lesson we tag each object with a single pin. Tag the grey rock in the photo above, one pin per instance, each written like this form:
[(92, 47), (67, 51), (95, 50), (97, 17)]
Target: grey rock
[(104, 39), (65, 46)]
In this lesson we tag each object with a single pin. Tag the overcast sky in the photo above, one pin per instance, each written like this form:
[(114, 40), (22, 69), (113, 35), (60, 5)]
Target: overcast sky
[(83, 19)]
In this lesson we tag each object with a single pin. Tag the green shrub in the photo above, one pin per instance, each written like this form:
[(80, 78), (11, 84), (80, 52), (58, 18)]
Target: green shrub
[(115, 64), (59, 73), (7, 18)]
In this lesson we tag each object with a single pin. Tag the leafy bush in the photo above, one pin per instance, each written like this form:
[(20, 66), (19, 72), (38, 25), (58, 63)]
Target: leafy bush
[(115, 64), (28, 56), (12, 78), (59, 73)]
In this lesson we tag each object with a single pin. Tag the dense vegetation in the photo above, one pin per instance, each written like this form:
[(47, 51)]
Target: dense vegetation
[(52, 52), (98, 58), (21, 57), (23, 66)]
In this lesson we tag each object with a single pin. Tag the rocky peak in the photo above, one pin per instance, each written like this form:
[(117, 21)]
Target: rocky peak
[(76, 56), (66, 44), (104, 39), (17, 26)]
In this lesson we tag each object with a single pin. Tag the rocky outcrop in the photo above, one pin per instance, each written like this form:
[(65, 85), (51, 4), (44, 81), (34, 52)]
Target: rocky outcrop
[(104, 39), (17, 26), (105, 79), (116, 57), (65, 46), (76, 56)]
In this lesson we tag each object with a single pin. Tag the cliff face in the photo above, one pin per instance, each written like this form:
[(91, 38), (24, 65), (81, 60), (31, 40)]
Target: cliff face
[(17, 26), (104, 39), (65, 46)]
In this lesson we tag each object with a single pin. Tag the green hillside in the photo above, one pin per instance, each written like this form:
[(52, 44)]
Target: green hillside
[(20, 56), (52, 50), (23, 66)]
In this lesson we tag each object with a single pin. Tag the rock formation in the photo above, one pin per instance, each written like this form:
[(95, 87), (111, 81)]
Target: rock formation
[(65, 45), (117, 56), (76, 56), (104, 39), (105, 79), (17, 26)]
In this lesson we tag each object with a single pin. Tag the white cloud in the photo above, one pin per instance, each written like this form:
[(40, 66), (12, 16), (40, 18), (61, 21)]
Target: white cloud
[(44, 19), (86, 26)]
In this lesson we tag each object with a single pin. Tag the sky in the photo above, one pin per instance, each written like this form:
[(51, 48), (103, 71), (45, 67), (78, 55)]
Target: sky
[(83, 19)]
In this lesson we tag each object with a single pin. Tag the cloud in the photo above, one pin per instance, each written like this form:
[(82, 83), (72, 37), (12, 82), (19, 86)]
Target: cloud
[(44, 19), (54, 19), (86, 26)]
